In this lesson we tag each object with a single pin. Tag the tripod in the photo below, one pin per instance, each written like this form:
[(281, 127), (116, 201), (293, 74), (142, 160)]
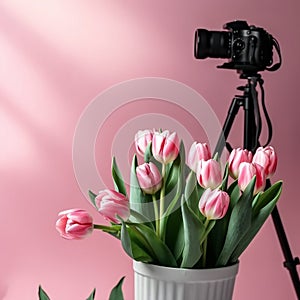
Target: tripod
[(252, 130)]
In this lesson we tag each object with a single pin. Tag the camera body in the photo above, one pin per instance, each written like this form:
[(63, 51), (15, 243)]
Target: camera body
[(248, 48)]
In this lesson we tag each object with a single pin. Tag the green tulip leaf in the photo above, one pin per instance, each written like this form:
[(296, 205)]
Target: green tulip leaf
[(148, 153), (174, 175), (126, 241), (116, 293), (216, 156), (216, 239), (267, 196), (92, 197), (191, 193), (134, 245), (225, 179), (177, 238), (42, 294), (239, 224), (173, 204), (160, 250), (118, 179), (258, 220), (175, 227), (255, 201), (174, 231), (92, 295), (193, 233), (174, 170), (171, 221), (136, 217), (234, 193)]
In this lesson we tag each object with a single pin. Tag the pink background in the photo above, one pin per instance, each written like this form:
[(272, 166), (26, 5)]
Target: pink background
[(55, 57)]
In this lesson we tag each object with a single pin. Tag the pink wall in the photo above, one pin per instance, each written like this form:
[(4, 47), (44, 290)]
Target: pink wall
[(55, 57)]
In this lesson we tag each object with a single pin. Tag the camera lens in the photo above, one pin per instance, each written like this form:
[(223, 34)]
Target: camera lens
[(212, 44)]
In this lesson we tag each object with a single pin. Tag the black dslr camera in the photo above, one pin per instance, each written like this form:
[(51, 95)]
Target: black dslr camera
[(248, 48)]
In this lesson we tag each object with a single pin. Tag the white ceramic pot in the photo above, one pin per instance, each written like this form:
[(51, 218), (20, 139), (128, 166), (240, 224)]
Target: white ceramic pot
[(153, 282)]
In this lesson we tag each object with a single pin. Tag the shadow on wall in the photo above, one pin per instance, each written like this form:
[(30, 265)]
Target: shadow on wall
[(46, 58)]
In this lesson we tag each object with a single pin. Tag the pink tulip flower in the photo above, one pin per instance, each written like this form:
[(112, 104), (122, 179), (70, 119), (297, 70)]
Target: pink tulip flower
[(209, 174), (142, 139), (165, 146), (267, 158), (149, 178), (247, 172), (236, 157), (111, 204), (214, 204), (198, 152), (74, 224)]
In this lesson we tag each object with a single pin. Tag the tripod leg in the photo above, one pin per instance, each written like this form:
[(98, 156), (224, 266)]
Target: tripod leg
[(251, 134), (252, 127), (233, 110), (290, 263), (252, 120), (250, 142)]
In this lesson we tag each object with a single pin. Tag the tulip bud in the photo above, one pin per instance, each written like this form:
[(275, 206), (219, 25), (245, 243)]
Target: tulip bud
[(236, 157), (165, 146), (74, 224), (214, 204), (142, 139), (267, 158), (149, 178), (209, 174), (111, 204), (197, 152), (246, 172)]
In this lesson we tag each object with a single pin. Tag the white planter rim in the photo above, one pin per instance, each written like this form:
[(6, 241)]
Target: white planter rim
[(183, 275)]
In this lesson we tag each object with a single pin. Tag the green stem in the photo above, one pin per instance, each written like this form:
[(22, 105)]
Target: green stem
[(156, 215), (162, 201), (205, 246), (104, 228)]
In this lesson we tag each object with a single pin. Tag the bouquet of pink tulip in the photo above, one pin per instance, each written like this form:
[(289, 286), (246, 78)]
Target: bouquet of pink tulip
[(183, 212)]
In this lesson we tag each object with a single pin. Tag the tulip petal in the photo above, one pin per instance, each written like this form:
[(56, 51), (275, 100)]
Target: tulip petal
[(74, 224)]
